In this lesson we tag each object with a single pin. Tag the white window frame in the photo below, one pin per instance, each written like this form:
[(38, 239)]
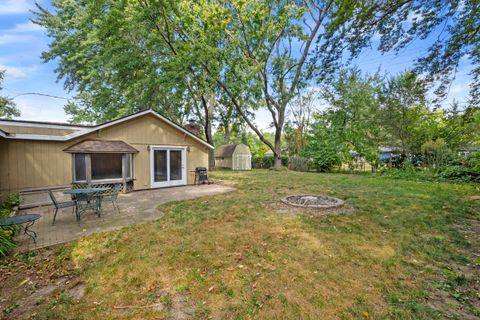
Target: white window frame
[(168, 183)]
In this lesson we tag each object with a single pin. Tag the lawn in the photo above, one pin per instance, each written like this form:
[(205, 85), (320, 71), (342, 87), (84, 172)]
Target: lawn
[(399, 249)]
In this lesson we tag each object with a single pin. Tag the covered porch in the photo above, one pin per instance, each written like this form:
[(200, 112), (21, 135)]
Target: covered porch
[(135, 207)]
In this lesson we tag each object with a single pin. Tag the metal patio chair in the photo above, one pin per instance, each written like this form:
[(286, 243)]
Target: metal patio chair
[(60, 205), (112, 196)]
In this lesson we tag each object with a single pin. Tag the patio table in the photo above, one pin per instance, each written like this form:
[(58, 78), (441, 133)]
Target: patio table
[(92, 198), (28, 219)]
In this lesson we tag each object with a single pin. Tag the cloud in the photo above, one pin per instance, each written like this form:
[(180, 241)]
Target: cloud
[(15, 6), (41, 109), (15, 38), (14, 72), (18, 73), (25, 27)]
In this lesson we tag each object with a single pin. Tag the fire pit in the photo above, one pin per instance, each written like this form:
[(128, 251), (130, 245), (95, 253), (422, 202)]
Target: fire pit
[(311, 201)]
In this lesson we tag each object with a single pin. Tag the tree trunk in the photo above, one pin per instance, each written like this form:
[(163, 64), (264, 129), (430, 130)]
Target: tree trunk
[(208, 108), (277, 161), (227, 134)]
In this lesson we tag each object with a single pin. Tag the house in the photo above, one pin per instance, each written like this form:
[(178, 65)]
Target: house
[(269, 153), (141, 151), (387, 153), (234, 156)]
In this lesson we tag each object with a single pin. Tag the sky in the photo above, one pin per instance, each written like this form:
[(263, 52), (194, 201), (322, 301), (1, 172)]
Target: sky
[(22, 42)]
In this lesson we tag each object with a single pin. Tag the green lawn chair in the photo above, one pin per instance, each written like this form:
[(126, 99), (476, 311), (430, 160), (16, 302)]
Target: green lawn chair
[(60, 205), (112, 196)]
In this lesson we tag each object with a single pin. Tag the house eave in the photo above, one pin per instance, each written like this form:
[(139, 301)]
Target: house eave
[(82, 131)]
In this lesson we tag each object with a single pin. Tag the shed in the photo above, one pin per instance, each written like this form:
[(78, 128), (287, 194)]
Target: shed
[(234, 156)]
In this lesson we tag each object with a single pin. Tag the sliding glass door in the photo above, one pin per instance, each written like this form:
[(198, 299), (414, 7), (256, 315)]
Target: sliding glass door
[(168, 166)]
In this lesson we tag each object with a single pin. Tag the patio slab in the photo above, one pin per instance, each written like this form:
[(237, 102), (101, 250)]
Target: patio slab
[(135, 207)]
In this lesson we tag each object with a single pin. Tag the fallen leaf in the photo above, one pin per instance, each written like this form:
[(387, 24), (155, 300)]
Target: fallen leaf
[(211, 288)]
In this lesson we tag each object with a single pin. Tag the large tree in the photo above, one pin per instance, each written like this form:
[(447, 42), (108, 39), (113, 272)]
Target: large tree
[(452, 27), (8, 108), (126, 55)]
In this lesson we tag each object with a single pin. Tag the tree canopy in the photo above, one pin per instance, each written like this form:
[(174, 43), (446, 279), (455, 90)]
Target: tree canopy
[(8, 108)]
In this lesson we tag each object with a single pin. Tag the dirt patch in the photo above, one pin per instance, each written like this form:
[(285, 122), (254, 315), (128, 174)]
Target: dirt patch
[(457, 293), (31, 279)]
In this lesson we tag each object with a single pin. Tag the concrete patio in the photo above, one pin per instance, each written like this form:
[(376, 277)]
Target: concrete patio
[(135, 207)]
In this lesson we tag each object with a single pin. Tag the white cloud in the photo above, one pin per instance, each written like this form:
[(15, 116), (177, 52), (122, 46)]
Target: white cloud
[(14, 72), (15, 38), (25, 27), (459, 89), (41, 109), (15, 6)]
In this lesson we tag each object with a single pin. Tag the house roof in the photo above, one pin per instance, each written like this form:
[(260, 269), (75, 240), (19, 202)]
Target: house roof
[(101, 146), (84, 130), (226, 150)]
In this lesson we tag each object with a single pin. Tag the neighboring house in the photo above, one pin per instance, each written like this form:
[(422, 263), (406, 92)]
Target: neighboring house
[(387, 153), (466, 152), (233, 156), (141, 151)]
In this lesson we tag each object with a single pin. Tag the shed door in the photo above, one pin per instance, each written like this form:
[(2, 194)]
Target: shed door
[(168, 166)]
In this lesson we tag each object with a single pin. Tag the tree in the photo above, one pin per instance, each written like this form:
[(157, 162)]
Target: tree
[(402, 102), (8, 108), (125, 55), (300, 110), (353, 113), (453, 26)]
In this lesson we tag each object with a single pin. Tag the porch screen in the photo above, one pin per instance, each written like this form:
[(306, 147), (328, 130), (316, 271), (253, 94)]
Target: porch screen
[(106, 165), (102, 166)]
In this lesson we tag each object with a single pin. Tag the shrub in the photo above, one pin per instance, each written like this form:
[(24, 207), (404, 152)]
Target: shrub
[(266, 162), (459, 173), (298, 163), (323, 157), (6, 235)]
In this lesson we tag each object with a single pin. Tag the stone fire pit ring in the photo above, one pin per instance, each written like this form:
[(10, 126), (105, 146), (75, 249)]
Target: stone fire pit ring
[(313, 201)]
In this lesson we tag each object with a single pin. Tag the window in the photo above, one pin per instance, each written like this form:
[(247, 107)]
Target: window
[(80, 167), (128, 165), (106, 166), (101, 166)]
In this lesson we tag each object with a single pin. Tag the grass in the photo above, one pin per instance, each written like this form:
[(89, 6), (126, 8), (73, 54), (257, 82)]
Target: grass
[(405, 251)]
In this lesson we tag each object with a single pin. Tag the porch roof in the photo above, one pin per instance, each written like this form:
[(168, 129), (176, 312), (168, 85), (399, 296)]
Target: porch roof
[(101, 146)]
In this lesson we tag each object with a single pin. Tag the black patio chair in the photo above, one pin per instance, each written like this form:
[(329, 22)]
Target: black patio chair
[(60, 205), (112, 196)]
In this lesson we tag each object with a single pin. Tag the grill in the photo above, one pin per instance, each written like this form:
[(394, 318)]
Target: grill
[(201, 175)]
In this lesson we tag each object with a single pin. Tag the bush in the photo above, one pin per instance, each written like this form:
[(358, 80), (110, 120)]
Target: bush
[(266, 162), (6, 235), (456, 169), (323, 157), (459, 173), (298, 163)]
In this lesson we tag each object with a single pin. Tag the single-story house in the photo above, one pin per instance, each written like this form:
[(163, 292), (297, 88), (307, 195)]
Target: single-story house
[(141, 151), (387, 153), (233, 156)]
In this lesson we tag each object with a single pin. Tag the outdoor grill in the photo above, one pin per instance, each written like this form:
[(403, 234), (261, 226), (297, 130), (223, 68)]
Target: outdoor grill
[(201, 175)]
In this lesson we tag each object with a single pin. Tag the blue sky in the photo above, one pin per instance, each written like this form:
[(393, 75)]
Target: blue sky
[(22, 42)]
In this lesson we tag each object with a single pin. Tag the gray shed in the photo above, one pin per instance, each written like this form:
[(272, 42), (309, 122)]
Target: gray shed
[(234, 156)]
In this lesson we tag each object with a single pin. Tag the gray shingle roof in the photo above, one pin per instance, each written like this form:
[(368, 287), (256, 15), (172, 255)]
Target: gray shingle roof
[(225, 151)]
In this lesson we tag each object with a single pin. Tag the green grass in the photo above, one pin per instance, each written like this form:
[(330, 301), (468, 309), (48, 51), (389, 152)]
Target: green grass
[(238, 256)]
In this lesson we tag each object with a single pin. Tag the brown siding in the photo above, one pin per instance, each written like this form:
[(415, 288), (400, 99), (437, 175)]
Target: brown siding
[(28, 164)]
